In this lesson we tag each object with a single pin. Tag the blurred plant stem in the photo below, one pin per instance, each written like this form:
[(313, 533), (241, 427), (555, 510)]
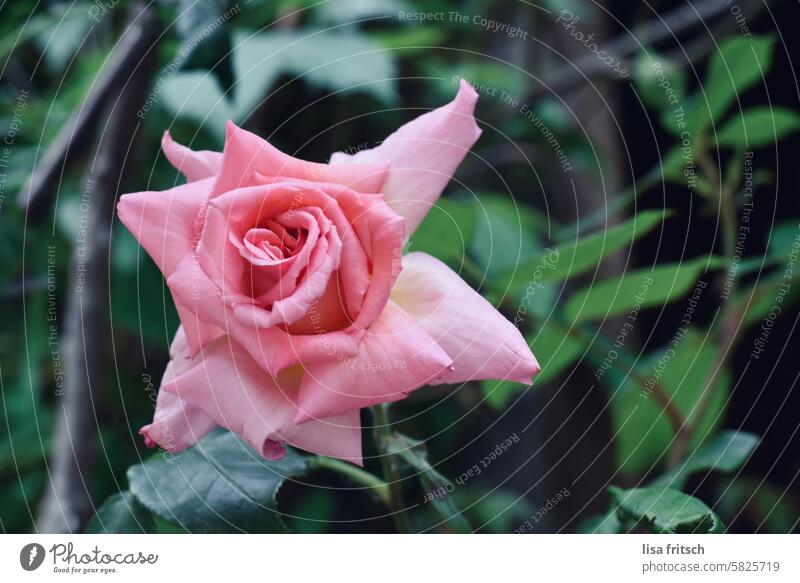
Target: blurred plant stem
[(372, 483), (729, 327), (381, 432), (658, 392)]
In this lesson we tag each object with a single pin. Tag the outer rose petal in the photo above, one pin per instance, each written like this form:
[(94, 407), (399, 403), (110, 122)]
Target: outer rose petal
[(482, 343), (193, 165), (395, 357), (247, 154), (423, 155), (165, 224), (176, 424), (232, 389)]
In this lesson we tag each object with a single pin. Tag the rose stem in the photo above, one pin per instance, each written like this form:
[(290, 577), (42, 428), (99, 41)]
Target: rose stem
[(373, 483), (381, 432)]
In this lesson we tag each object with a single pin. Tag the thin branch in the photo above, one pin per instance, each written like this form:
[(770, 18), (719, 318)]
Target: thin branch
[(81, 125), (67, 502)]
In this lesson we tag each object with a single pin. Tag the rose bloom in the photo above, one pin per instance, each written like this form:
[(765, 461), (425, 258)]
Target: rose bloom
[(297, 306)]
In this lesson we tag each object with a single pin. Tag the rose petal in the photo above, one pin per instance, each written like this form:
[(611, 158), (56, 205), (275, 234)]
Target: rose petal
[(272, 348), (233, 390), (482, 343), (165, 222), (176, 424), (246, 154), (395, 357), (194, 165), (423, 155)]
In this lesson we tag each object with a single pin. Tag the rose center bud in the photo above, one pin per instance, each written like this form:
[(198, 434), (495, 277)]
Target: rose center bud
[(272, 243), (274, 252), (292, 261)]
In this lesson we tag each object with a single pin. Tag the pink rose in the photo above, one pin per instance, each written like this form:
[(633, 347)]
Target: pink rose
[(297, 306)]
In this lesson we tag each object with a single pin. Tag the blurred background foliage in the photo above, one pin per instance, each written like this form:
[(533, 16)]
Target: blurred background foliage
[(564, 249)]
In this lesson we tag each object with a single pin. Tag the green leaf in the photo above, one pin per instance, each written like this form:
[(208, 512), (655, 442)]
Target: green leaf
[(740, 63), (758, 126), (59, 43), (220, 485), (660, 82), (197, 96), (334, 60), (447, 230), (330, 59), (664, 510), (505, 235), (680, 369), (122, 513), (608, 523), (782, 237), (586, 253), (767, 503), (725, 453), (643, 288), (413, 453), (771, 294), (409, 41)]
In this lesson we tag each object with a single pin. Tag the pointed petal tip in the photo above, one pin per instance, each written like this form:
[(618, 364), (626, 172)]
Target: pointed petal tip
[(466, 90)]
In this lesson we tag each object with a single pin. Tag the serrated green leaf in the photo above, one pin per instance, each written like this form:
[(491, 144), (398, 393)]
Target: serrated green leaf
[(758, 126), (122, 513), (725, 453), (664, 510), (219, 485)]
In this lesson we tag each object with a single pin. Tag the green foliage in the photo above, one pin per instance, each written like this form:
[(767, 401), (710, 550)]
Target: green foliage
[(447, 230), (740, 63), (681, 369), (588, 252), (659, 81), (664, 510), (643, 288), (122, 513), (329, 59), (725, 453), (219, 485), (434, 484), (758, 126)]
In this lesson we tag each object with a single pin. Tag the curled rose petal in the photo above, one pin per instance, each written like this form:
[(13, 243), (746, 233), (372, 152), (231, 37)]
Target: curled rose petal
[(230, 387)]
